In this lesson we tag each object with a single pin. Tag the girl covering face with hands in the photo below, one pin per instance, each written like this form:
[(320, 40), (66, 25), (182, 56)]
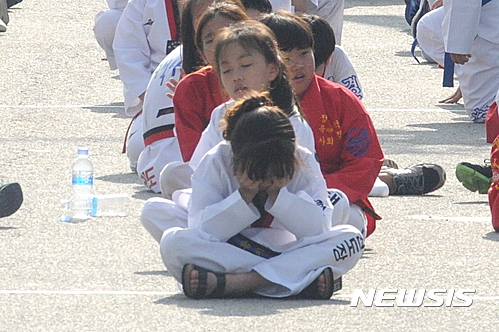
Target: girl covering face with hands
[(259, 219)]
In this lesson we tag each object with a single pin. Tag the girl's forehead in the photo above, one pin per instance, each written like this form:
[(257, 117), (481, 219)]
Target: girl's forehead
[(234, 49)]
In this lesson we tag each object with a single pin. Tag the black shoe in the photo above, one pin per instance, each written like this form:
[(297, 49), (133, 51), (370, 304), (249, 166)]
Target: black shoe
[(11, 198), (417, 179)]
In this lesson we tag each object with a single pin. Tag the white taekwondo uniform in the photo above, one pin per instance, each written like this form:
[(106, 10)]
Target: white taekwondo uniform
[(301, 239), (470, 28)]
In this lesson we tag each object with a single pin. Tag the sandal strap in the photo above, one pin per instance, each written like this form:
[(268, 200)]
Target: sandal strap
[(202, 288), (219, 291), (203, 283)]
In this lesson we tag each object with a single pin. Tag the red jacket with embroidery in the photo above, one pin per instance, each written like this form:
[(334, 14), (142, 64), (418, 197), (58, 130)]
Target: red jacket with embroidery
[(492, 123), (494, 188), (346, 142), (195, 97)]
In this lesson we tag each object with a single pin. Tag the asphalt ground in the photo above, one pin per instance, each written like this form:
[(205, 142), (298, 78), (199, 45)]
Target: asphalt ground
[(105, 274)]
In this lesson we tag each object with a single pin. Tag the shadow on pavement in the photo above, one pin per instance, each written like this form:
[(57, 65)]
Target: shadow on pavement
[(245, 307), (7, 228), (390, 21), (153, 273), (128, 178), (117, 108), (364, 3), (492, 236)]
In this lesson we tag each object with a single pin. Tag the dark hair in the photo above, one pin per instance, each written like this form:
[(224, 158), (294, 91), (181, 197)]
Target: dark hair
[(290, 31), (253, 35), (324, 41), (220, 9), (263, 6), (262, 139), (191, 58)]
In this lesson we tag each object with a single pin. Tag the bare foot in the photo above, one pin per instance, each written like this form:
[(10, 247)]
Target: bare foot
[(201, 283), (211, 282)]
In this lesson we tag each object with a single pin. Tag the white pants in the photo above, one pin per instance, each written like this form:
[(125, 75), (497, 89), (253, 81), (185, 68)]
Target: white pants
[(332, 12), (430, 36), (479, 78), (175, 175), (135, 142), (345, 213), (298, 265), (160, 214), (104, 29)]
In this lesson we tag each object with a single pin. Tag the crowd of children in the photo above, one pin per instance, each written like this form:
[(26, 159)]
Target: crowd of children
[(248, 119)]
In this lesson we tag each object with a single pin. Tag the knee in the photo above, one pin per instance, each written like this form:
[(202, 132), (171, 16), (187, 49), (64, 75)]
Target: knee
[(357, 219), (341, 206)]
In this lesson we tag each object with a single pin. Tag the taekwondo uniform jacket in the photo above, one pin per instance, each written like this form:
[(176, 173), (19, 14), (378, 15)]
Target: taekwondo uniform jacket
[(291, 251), (341, 71), (470, 19), (346, 142), (196, 96), (140, 43)]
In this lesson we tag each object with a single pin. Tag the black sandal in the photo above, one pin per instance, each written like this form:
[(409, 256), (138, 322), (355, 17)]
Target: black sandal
[(200, 293), (332, 285)]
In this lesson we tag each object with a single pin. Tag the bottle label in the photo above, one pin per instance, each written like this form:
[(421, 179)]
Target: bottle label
[(83, 178)]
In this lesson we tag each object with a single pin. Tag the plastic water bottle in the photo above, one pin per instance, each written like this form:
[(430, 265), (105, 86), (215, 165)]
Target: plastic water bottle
[(81, 208), (83, 174), (110, 205), (83, 186), (85, 203)]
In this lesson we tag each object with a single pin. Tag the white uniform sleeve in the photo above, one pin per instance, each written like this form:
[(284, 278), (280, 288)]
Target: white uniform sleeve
[(132, 54), (303, 132), (460, 25), (340, 70), (216, 207), (211, 135)]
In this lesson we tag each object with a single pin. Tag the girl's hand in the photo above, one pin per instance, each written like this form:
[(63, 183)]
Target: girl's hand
[(172, 84), (247, 188), (460, 59), (273, 187)]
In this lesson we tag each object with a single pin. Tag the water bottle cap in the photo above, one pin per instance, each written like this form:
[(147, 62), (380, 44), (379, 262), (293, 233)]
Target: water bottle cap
[(83, 151)]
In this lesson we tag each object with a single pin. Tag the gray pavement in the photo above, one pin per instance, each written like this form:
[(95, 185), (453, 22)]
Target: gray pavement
[(106, 274)]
